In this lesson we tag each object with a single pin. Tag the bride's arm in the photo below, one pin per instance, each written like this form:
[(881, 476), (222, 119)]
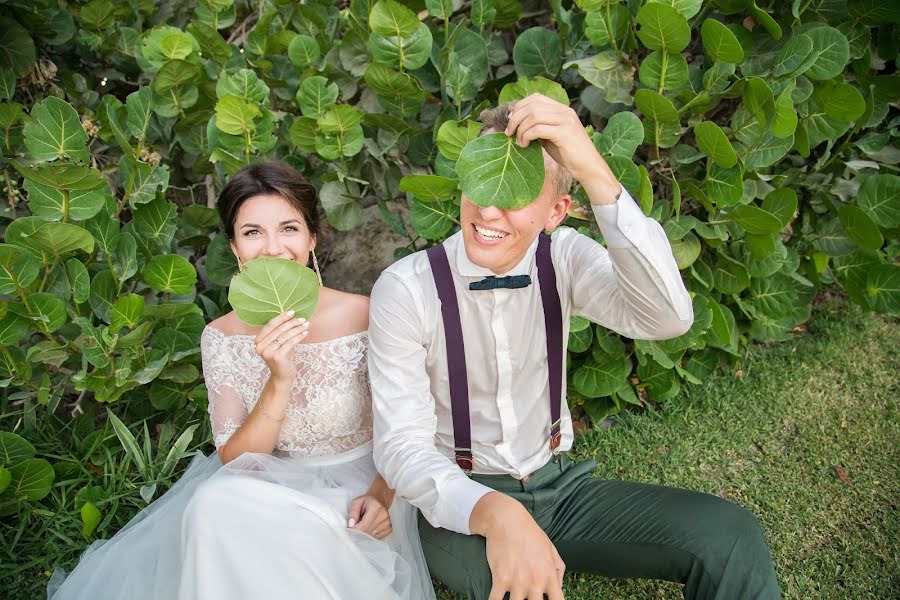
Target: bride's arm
[(380, 490), (259, 432)]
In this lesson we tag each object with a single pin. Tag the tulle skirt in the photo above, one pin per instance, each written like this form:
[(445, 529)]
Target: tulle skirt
[(262, 526)]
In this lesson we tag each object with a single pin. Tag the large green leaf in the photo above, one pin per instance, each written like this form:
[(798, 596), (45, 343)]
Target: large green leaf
[(392, 18), (56, 205), (663, 28), (622, 135), (428, 187), (755, 220), (342, 205), (432, 220), (495, 171), (525, 86), (170, 273), (832, 53), (883, 289), (452, 137), (724, 186), (17, 268), (720, 43), (795, 56), (713, 142), (664, 70), (244, 83), (14, 449), (315, 95), (656, 106), (304, 51), (782, 203), (688, 8), (538, 52), (16, 47), (602, 375), (55, 131), (236, 116), (879, 196), (268, 287), (31, 479), (860, 227), (51, 239), (404, 53)]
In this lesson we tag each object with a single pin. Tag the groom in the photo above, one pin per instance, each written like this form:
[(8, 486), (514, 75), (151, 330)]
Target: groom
[(466, 359)]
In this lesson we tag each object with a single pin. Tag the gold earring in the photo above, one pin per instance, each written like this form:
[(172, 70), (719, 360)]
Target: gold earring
[(241, 265), (316, 267)]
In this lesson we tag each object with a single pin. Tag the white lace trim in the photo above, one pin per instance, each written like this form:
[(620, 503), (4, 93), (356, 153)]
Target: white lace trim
[(329, 411)]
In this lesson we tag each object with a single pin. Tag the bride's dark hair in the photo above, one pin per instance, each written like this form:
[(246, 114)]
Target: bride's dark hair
[(269, 177)]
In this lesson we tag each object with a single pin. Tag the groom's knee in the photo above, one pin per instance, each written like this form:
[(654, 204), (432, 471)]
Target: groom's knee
[(457, 561)]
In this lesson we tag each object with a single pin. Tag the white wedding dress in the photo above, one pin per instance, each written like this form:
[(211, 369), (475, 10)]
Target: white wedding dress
[(266, 525)]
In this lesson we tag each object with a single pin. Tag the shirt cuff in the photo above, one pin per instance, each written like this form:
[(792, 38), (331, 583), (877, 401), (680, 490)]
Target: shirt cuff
[(457, 500), (618, 220)]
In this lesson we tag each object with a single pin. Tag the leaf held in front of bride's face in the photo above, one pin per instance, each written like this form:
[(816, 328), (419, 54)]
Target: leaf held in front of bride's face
[(494, 171), (268, 287)]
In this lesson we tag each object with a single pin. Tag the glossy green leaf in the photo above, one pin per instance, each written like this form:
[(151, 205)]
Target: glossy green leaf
[(304, 51), (720, 43), (315, 95), (30, 480), (883, 289), (655, 106), (525, 86), (453, 136), (755, 220), (832, 53), (428, 187), (389, 17), (598, 378), (661, 27), (538, 52), (170, 273), (879, 197), (343, 206), (495, 171), (55, 132), (235, 115), (268, 287), (664, 70), (622, 135), (713, 142)]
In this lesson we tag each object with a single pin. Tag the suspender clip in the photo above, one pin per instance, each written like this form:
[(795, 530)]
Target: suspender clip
[(555, 437), (464, 460)]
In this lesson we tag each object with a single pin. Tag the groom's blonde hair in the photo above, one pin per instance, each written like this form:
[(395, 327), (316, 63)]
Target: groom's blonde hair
[(497, 118)]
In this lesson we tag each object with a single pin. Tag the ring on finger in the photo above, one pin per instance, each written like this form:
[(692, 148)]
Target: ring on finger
[(279, 342)]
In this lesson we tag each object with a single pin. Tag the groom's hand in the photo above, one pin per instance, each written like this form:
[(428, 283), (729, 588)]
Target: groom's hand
[(523, 560), (562, 135)]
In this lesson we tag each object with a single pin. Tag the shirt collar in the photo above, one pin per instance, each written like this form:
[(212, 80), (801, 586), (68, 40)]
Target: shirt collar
[(466, 268)]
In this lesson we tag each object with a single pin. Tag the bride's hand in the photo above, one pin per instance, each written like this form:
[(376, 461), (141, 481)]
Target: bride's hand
[(276, 341), (369, 515)]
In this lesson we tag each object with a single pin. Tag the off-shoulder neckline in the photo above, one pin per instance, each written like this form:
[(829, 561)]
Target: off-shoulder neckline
[(350, 336)]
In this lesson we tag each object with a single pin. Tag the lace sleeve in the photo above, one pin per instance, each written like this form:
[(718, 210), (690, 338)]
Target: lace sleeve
[(226, 407)]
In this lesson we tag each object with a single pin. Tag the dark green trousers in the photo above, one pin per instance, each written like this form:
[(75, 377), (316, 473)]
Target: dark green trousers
[(620, 529)]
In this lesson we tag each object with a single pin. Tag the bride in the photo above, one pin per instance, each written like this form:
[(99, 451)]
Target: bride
[(291, 504)]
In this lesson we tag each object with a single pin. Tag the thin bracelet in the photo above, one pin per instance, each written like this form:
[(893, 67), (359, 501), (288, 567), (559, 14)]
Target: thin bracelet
[(273, 417)]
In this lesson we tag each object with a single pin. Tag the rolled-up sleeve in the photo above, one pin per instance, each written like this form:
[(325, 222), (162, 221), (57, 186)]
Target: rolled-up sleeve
[(404, 412), (633, 286)]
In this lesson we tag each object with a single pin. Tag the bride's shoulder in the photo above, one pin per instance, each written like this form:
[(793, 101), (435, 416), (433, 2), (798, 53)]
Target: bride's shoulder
[(229, 324), (346, 313)]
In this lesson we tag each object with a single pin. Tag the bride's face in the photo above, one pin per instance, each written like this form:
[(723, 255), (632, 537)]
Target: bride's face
[(267, 225)]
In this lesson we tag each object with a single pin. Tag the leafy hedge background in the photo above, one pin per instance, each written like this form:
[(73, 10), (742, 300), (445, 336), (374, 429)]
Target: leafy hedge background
[(761, 134)]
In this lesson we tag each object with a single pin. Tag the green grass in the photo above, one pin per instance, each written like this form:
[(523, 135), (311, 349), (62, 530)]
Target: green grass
[(769, 440)]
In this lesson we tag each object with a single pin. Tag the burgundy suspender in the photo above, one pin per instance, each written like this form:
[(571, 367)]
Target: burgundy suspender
[(553, 325), (456, 357), (456, 354)]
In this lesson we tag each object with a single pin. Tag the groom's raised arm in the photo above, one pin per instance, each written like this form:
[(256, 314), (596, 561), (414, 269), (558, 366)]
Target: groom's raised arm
[(404, 411)]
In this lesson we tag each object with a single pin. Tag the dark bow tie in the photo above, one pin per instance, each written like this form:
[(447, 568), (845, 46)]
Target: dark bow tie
[(509, 282)]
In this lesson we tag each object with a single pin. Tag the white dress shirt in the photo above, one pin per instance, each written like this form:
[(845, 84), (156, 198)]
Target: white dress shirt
[(634, 288)]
